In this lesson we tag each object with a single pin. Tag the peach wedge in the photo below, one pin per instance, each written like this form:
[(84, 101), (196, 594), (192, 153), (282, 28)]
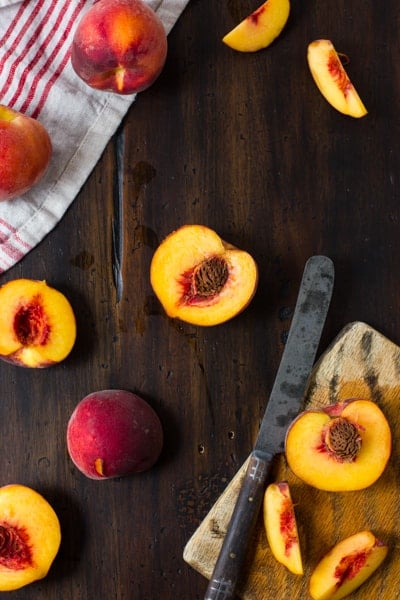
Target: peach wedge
[(281, 528), (30, 536), (37, 324), (332, 80), (347, 566), (199, 278), (343, 447), (259, 29)]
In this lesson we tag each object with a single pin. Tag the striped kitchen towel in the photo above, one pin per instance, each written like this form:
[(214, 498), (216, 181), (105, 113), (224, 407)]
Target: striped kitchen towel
[(37, 79)]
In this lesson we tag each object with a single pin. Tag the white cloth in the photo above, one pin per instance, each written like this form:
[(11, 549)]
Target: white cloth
[(36, 78)]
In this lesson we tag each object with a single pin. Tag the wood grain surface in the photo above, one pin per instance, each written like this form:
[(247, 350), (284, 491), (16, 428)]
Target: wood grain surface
[(360, 364), (246, 145)]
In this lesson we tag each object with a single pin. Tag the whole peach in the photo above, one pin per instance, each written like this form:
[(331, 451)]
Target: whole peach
[(113, 433), (25, 151), (119, 46)]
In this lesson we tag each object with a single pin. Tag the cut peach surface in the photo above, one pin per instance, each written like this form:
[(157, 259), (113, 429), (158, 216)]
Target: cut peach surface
[(332, 80), (30, 536), (347, 566), (281, 527), (37, 324), (259, 29), (343, 447), (201, 279)]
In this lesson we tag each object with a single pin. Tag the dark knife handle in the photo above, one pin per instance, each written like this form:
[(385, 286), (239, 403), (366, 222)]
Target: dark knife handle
[(232, 556)]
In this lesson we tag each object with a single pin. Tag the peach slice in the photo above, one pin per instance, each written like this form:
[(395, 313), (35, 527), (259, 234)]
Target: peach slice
[(281, 527), (259, 29), (343, 447), (199, 278), (332, 80), (112, 433), (348, 565), (37, 324), (30, 536)]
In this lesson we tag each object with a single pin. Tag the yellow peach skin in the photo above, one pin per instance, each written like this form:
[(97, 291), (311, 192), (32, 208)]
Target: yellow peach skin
[(332, 80), (31, 536), (259, 29)]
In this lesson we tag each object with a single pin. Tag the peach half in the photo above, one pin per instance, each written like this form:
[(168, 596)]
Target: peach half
[(343, 447), (347, 566), (30, 536), (37, 324), (332, 80), (259, 29), (199, 278), (281, 527)]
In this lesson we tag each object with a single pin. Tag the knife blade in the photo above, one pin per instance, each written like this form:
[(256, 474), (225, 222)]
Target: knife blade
[(283, 406)]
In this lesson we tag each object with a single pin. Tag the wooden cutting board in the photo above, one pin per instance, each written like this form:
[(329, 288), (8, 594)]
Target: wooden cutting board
[(360, 363)]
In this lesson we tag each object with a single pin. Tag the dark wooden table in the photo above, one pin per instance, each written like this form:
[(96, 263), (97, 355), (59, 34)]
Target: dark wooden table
[(246, 145)]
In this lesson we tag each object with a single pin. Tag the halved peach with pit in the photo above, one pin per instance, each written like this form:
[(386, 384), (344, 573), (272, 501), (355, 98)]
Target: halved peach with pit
[(37, 324), (347, 566), (281, 527), (199, 278), (30, 536), (343, 447)]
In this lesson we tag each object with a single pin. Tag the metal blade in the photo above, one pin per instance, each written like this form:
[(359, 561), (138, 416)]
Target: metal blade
[(298, 355)]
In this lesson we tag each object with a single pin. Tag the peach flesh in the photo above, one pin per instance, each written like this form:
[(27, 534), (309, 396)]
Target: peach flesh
[(344, 447), (30, 536), (37, 324)]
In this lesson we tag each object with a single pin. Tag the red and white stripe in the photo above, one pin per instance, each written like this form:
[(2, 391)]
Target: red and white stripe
[(35, 50)]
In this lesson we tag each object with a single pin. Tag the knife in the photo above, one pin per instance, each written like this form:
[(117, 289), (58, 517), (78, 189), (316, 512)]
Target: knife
[(283, 406)]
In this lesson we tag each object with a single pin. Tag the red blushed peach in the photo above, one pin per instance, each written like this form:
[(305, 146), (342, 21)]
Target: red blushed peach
[(30, 536), (119, 46), (37, 324), (113, 433), (342, 447), (281, 527), (347, 566), (200, 279), (25, 152)]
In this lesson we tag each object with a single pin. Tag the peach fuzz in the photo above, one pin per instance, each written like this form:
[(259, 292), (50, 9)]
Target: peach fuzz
[(37, 324), (281, 527), (30, 536), (332, 80), (347, 566), (25, 152), (259, 29), (113, 433), (199, 278), (119, 46), (343, 447)]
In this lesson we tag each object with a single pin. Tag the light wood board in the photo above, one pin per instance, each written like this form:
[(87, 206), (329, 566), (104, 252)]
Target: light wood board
[(360, 363)]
